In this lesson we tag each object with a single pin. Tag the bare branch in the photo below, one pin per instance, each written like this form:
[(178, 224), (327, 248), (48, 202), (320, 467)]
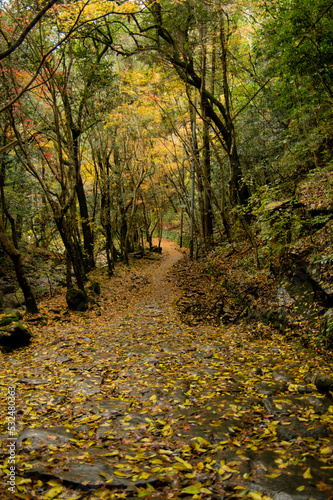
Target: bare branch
[(27, 30)]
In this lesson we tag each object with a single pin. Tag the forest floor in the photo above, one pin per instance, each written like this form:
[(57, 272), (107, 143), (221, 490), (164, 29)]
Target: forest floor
[(126, 400)]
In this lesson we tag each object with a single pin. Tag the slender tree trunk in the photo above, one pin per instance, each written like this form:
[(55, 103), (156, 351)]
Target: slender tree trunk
[(123, 230), (88, 236), (16, 259), (207, 215), (207, 203), (12, 251), (4, 205), (73, 248), (239, 193), (224, 217), (106, 224), (122, 210)]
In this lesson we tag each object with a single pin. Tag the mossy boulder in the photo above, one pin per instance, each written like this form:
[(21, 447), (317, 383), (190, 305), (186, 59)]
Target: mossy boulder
[(10, 317), (77, 300), (15, 335), (324, 383)]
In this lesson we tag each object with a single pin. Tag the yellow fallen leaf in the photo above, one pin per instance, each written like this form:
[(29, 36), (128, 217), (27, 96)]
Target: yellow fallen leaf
[(54, 482), (255, 495), (102, 493), (166, 431), (192, 490), (144, 475), (22, 480), (119, 473), (226, 476), (52, 447), (157, 469), (307, 474), (183, 462), (202, 441), (205, 490), (53, 493)]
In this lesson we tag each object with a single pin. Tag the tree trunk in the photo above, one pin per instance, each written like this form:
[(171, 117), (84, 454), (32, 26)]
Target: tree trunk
[(238, 192), (88, 236), (72, 246), (207, 203), (106, 224), (16, 258)]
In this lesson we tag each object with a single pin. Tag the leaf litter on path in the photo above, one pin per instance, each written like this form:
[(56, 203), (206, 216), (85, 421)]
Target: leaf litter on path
[(126, 401)]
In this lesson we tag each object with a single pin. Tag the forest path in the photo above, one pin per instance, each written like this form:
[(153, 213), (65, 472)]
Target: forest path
[(161, 293), (134, 403)]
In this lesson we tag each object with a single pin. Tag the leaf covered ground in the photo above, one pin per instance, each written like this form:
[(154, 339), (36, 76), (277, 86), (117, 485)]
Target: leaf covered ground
[(127, 401)]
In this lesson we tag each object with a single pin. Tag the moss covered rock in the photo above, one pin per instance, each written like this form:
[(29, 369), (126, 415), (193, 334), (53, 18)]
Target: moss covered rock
[(77, 300), (10, 317), (15, 335)]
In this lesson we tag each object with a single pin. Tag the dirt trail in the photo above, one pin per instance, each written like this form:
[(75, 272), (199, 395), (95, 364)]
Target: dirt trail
[(142, 405), (161, 289)]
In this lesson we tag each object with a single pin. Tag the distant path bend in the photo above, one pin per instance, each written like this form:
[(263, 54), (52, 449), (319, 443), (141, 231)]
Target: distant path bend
[(161, 290)]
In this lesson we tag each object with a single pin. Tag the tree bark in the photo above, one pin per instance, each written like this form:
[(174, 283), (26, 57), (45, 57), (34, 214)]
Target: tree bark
[(106, 217), (15, 256), (88, 236), (207, 203), (74, 251)]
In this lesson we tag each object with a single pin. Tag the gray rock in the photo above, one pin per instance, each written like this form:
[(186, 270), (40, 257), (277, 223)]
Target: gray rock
[(13, 300), (269, 389), (36, 438), (323, 383), (281, 377), (87, 386), (33, 381), (86, 476), (296, 429)]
